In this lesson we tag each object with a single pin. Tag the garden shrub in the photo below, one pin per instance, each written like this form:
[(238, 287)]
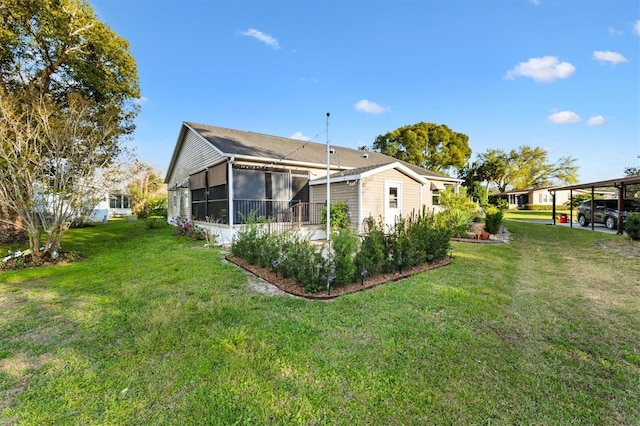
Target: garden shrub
[(544, 207), (500, 203), (457, 221), (245, 242), (345, 246), (457, 201), (302, 261), (188, 229), (493, 220), (339, 216), (632, 227), (409, 243), (580, 198), (433, 241), (394, 259), (371, 256)]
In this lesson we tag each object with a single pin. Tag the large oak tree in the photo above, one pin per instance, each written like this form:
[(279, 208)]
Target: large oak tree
[(432, 146)]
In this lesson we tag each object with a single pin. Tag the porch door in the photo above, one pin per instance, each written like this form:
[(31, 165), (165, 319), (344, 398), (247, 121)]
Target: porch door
[(392, 202)]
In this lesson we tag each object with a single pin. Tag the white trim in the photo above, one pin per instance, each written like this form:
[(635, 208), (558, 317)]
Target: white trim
[(395, 165), (438, 185), (360, 208), (230, 213), (388, 184)]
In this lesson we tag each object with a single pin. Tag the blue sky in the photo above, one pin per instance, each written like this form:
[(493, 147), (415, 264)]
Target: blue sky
[(560, 74)]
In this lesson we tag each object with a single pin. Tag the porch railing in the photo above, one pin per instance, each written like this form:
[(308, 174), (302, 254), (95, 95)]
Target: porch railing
[(278, 211)]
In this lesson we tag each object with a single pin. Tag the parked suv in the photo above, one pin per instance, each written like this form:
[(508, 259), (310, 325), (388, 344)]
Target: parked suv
[(606, 211)]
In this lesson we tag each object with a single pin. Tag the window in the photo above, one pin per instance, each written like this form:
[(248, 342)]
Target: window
[(435, 197), (393, 197), (119, 202), (545, 198)]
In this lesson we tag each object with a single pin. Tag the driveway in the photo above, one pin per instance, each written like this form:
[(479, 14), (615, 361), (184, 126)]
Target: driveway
[(598, 227)]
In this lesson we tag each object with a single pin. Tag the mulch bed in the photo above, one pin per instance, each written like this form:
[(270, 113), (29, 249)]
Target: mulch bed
[(34, 262), (288, 285)]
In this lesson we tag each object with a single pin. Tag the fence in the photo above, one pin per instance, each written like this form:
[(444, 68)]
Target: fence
[(280, 212)]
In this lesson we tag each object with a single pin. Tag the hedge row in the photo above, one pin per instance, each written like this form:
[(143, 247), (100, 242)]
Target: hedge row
[(352, 258)]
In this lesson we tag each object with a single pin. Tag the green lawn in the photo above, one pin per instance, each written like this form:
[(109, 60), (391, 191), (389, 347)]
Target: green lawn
[(156, 329), (534, 214)]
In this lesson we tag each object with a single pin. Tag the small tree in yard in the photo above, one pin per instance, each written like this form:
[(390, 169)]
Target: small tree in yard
[(68, 86), (45, 179)]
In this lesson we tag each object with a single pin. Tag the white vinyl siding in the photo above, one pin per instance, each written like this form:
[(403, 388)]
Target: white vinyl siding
[(196, 154)]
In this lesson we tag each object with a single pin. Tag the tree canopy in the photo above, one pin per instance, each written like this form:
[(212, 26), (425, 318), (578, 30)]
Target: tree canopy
[(68, 86), (432, 146), (60, 47), (524, 168)]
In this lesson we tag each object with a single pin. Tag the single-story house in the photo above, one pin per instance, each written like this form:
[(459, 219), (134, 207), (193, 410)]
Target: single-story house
[(519, 199), (114, 205), (218, 177)]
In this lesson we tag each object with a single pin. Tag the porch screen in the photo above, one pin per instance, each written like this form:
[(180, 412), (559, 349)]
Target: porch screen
[(279, 186), (198, 188), (217, 193), (249, 184)]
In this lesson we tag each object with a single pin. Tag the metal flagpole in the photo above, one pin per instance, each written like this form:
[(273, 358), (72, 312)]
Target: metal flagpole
[(328, 206)]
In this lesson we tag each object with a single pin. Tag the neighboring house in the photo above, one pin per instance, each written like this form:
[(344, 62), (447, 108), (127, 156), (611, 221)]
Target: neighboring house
[(542, 196), (116, 205), (218, 176)]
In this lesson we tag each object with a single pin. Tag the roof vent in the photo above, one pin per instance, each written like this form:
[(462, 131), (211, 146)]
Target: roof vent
[(365, 155), (332, 150)]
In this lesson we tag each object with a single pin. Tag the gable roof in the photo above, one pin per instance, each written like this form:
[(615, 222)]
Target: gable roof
[(363, 172), (257, 146)]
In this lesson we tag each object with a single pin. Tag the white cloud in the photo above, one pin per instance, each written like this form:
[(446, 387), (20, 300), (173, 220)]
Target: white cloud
[(544, 69), (141, 100), (309, 79), (596, 120), (636, 27), (536, 2), (369, 107), (612, 57), (564, 117), (299, 136), (259, 35), (614, 31)]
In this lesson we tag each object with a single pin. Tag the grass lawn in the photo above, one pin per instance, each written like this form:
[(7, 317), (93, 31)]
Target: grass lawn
[(535, 214), (156, 329)]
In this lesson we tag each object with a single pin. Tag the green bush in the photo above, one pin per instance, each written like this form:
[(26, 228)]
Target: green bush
[(371, 256), (543, 207), (339, 216), (410, 243), (457, 201), (301, 261), (632, 227), (245, 242), (432, 241), (580, 198), (492, 221), (499, 202), (345, 246), (457, 221)]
